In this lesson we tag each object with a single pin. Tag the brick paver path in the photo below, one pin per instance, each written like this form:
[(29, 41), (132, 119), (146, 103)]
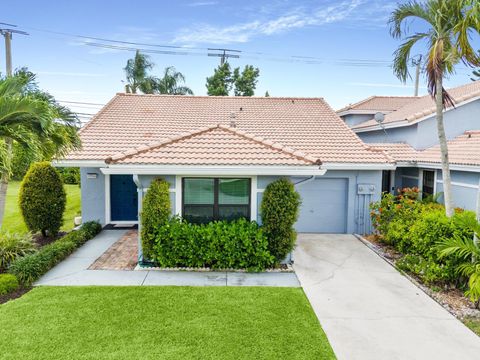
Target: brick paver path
[(122, 255)]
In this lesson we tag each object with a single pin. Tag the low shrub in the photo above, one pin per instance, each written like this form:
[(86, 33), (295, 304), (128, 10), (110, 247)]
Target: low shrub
[(42, 199), (29, 268), (12, 246), (156, 212), (279, 211), (415, 228), (8, 283), (219, 245)]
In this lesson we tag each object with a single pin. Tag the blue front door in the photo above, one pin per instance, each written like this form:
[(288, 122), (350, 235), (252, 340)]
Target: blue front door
[(123, 198)]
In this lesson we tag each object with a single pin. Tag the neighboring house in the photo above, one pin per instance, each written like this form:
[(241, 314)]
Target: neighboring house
[(219, 154), (409, 135), (364, 110)]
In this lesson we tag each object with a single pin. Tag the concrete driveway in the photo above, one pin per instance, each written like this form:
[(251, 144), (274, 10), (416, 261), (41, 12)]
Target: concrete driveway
[(369, 310)]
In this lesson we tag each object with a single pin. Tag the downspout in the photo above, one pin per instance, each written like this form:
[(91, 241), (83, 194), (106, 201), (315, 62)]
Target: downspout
[(137, 182), (305, 181)]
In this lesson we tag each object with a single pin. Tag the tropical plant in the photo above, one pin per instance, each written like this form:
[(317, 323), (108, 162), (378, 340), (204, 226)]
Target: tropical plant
[(170, 83), (137, 76), (447, 28), (467, 250), (12, 246), (32, 119), (42, 199)]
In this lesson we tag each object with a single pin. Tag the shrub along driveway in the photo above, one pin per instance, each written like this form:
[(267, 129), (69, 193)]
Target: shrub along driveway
[(369, 310), (161, 323)]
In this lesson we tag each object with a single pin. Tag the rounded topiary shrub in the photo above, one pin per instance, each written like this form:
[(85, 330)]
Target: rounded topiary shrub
[(42, 199), (279, 211), (156, 212)]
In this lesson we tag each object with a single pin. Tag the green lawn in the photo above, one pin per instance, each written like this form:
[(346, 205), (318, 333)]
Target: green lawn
[(161, 323), (473, 324), (13, 220)]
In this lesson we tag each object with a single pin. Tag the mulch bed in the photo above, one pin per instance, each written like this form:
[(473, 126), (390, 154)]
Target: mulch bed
[(451, 299), (14, 295), (41, 240)]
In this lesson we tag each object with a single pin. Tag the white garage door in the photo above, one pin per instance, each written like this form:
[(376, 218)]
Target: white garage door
[(324, 206)]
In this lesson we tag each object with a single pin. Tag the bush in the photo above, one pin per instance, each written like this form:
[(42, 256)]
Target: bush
[(415, 228), (70, 175), (29, 268), (42, 199), (219, 245), (155, 213), (279, 210), (8, 283), (12, 246)]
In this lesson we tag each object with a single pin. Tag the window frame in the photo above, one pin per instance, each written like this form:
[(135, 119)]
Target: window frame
[(216, 205)]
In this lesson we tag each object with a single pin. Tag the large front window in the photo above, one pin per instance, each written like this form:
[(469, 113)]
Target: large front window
[(208, 199)]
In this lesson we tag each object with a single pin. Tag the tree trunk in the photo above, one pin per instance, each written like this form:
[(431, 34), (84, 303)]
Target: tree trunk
[(447, 182), (4, 181)]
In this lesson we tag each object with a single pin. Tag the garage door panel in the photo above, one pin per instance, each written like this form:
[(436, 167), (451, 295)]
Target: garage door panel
[(324, 206)]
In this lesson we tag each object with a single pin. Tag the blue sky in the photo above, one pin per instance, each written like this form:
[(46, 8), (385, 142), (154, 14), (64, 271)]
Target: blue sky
[(277, 36)]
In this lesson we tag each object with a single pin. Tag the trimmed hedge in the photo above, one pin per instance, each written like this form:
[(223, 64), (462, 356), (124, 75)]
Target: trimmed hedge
[(29, 268), (279, 210), (8, 283), (156, 212), (42, 199), (218, 245)]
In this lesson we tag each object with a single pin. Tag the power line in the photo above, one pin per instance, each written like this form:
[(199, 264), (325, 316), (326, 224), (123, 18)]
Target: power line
[(79, 102), (187, 51)]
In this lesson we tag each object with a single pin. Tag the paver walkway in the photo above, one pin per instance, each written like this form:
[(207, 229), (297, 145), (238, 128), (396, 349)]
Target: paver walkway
[(122, 255), (370, 311), (75, 271)]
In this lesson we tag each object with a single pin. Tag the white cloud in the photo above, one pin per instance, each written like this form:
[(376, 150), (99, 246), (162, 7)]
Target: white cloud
[(293, 19), (202, 3)]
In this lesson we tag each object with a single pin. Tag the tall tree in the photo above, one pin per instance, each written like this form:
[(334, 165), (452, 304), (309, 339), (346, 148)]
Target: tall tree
[(220, 83), (476, 73), (223, 80), (33, 119), (447, 26), (245, 82), (136, 72), (170, 83)]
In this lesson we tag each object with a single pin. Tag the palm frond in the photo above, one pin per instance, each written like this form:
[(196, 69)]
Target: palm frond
[(462, 247), (402, 56), (404, 12)]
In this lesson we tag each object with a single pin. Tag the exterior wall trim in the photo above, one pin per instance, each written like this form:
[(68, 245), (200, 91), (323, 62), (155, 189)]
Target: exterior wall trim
[(212, 170), (78, 163)]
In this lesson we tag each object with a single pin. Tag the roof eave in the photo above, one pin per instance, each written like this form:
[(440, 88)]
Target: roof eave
[(218, 170)]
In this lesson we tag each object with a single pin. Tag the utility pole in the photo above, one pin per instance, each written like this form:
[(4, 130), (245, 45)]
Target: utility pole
[(224, 54), (418, 63), (7, 34), (4, 176)]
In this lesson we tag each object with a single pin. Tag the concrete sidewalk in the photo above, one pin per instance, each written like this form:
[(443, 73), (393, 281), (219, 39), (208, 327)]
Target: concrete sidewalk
[(370, 311), (73, 271)]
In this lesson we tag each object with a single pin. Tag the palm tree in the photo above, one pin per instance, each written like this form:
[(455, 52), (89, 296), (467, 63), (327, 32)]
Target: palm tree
[(136, 72), (33, 119), (448, 25), (170, 83)]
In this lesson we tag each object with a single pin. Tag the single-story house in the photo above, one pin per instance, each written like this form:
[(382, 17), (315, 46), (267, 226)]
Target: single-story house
[(406, 130), (219, 154)]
